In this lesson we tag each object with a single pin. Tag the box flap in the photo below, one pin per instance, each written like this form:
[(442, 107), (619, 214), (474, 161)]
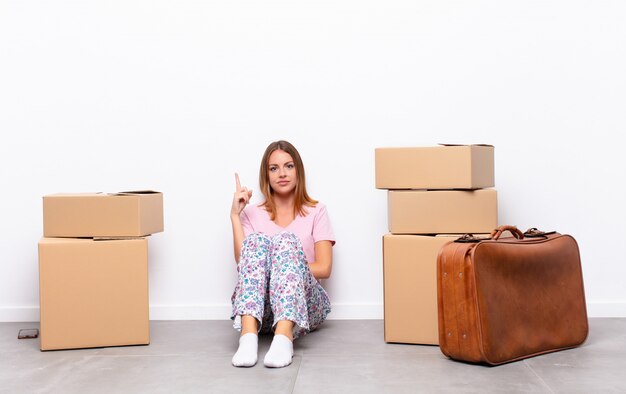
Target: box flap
[(465, 145), (117, 238), (87, 194), (136, 192), (75, 194)]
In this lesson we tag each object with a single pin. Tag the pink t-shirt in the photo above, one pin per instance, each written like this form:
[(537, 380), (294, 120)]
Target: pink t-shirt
[(313, 227)]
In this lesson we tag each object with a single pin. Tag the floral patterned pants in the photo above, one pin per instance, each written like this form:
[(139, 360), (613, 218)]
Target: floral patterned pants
[(275, 283)]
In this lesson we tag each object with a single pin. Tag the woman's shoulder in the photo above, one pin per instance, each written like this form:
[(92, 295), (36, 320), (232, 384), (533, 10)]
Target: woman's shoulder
[(318, 208), (255, 207), (254, 210), (256, 215)]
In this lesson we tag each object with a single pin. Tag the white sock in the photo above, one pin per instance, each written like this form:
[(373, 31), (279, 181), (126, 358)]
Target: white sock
[(246, 355), (280, 353)]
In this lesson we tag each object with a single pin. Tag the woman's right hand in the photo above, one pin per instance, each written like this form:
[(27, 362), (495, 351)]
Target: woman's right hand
[(241, 197)]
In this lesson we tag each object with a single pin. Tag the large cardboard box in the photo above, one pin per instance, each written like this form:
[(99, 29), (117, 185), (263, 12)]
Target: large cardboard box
[(437, 167), (410, 287), (123, 214), (93, 293), (442, 211)]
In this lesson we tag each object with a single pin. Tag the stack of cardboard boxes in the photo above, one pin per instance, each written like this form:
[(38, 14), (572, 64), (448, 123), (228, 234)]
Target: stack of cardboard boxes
[(435, 194), (93, 268)]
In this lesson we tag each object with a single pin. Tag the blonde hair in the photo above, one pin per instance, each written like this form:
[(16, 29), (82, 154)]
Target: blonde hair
[(302, 198)]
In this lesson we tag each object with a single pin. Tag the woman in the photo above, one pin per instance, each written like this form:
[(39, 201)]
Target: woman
[(282, 247)]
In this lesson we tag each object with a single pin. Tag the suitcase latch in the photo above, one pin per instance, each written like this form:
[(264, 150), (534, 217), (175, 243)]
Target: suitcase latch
[(536, 233), (467, 238)]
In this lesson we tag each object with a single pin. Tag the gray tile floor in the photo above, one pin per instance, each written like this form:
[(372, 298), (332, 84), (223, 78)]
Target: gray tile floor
[(343, 356)]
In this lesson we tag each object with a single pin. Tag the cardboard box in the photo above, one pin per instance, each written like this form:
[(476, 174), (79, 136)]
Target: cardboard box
[(442, 211), (410, 287), (93, 293), (123, 214), (437, 167)]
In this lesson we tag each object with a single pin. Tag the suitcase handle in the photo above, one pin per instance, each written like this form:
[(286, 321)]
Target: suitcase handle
[(495, 234)]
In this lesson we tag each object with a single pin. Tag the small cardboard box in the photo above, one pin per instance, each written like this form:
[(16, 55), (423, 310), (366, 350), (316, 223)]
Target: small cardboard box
[(125, 214), (442, 211), (437, 167), (410, 287), (93, 293)]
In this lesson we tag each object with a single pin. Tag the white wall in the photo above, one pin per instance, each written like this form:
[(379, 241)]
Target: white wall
[(177, 95)]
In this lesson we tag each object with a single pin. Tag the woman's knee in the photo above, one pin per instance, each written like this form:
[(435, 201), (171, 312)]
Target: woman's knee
[(255, 249), (286, 240), (256, 243), (256, 240)]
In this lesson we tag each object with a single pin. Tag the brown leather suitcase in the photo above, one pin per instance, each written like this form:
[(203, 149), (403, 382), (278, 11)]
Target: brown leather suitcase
[(505, 299)]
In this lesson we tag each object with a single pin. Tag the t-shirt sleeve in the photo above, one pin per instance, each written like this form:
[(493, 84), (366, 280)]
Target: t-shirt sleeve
[(246, 224), (322, 230)]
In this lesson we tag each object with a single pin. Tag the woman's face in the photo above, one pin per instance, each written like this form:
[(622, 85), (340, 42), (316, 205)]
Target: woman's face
[(282, 172)]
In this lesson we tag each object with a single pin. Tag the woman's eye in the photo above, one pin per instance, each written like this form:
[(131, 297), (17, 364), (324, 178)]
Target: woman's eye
[(291, 166), (273, 169)]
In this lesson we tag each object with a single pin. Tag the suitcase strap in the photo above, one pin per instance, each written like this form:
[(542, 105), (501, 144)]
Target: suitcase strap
[(495, 234)]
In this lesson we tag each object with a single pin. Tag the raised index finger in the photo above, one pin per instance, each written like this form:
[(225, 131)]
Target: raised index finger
[(238, 185)]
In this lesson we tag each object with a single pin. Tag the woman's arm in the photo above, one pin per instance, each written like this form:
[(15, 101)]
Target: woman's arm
[(240, 200), (237, 235), (323, 264)]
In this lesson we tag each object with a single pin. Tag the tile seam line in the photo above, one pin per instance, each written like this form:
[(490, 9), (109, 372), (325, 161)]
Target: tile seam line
[(371, 354), (105, 355), (539, 377), (144, 355), (295, 378)]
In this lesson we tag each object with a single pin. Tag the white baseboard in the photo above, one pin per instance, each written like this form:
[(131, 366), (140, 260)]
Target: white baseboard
[(202, 312), (606, 309), (221, 312), (340, 311), (19, 314)]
